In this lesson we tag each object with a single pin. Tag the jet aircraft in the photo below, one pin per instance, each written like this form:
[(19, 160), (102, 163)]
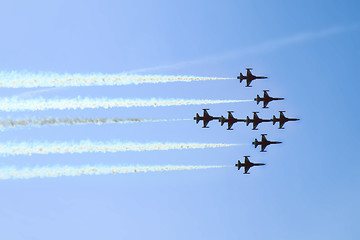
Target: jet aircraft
[(266, 99), (249, 77), (264, 142), (247, 164), (230, 120), (255, 121), (282, 119), (206, 118)]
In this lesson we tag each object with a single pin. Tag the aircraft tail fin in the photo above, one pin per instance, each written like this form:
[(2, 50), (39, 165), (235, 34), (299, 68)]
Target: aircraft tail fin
[(247, 120), (274, 119), (257, 99), (197, 118), (256, 143), (241, 77), (222, 120), (238, 165)]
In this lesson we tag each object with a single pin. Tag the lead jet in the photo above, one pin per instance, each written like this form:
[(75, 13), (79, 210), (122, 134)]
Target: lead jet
[(255, 121), (206, 118), (230, 120), (249, 77), (247, 164), (266, 99), (264, 142), (282, 119)]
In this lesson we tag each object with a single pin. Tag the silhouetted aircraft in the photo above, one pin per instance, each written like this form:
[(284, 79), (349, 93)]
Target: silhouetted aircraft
[(206, 118), (247, 164), (230, 120), (255, 121), (282, 119), (264, 142), (266, 99), (249, 77)]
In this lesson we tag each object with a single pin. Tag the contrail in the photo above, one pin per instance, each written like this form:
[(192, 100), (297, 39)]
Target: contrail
[(12, 123), (57, 171), (37, 104), (25, 148), (31, 80)]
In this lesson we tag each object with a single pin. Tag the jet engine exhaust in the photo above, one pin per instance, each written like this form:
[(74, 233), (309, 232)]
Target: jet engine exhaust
[(33, 80), (25, 148), (40, 104), (58, 171)]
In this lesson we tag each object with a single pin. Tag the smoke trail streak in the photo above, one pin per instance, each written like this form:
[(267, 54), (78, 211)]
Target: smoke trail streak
[(57, 171), (11, 123), (31, 80), (25, 148), (37, 104)]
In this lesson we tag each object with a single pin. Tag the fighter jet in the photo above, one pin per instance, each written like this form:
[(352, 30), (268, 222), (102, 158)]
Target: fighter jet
[(266, 99), (247, 164), (255, 121), (264, 142), (230, 120), (249, 77), (206, 118), (282, 119)]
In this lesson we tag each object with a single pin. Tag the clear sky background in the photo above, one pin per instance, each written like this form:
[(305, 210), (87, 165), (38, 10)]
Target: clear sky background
[(309, 188)]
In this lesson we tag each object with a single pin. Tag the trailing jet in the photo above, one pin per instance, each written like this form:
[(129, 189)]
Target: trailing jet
[(264, 142), (230, 120), (249, 77), (255, 121), (247, 164), (206, 118), (282, 119), (266, 99)]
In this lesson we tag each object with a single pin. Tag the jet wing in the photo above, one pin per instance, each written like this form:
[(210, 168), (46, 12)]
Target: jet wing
[(281, 124), (230, 125), (282, 115), (248, 72), (265, 103), (263, 138), (206, 113), (246, 169), (266, 95), (248, 81), (263, 146), (255, 125), (205, 123)]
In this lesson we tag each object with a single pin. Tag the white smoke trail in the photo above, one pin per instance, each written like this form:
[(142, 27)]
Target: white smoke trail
[(25, 148), (37, 104), (31, 80), (12, 123), (57, 171)]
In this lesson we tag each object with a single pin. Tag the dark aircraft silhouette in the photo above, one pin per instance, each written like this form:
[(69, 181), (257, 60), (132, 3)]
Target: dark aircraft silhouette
[(266, 99), (247, 164), (249, 77), (282, 119), (230, 120), (264, 142), (255, 121), (206, 118)]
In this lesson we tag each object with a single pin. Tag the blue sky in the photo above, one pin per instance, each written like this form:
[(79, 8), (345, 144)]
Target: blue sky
[(307, 190)]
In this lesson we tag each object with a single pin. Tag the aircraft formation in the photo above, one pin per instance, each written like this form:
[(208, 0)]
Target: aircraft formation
[(254, 121)]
